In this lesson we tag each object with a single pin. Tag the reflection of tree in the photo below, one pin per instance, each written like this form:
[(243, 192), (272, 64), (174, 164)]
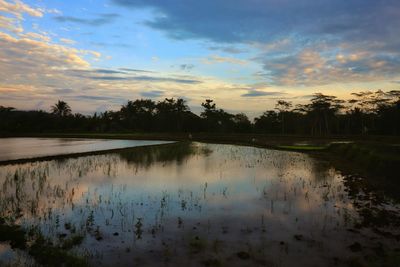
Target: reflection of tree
[(29, 189), (147, 156)]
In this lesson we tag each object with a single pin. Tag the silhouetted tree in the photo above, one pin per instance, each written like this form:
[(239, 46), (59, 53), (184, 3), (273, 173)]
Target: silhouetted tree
[(138, 114), (268, 122), (241, 123), (322, 111), (283, 107), (373, 112), (171, 114), (61, 109), (216, 119)]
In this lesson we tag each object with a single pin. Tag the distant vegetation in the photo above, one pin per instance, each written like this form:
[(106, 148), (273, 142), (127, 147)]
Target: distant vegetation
[(368, 113)]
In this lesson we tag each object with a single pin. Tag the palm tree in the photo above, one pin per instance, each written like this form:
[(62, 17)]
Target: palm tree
[(61, 109)]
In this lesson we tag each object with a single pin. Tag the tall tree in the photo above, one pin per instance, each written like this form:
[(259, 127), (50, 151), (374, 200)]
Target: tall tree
[(283, 106), (216, 119), (138, 114), (61, 109), (171, 113), (268, 122), (322, 111)]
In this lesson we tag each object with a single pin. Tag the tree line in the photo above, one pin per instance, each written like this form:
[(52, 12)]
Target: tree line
[(367, 113)]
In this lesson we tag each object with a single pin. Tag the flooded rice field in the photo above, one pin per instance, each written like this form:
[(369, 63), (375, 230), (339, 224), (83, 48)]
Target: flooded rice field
[(196, 204)]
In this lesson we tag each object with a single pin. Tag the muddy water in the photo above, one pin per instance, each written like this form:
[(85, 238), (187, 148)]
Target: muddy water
[(195, 205)]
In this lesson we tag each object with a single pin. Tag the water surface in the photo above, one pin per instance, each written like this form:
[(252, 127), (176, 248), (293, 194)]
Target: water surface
[(25, 148), (195, 204)]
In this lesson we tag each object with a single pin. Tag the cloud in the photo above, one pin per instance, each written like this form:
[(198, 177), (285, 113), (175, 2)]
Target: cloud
[(18, 8), (292, 44), (313, 66), (98, 21), (282, 33), (108, 71), (10, 24), (265, 20), (37, 36), (162, 79), (257, 93), (12, 21), (153, 94), (63, 91), (186, 67), (127, 74), (109, 78), (227, 49), (106, 44), (215, 59), (33, 66), (100, 98), (67, 41), (136, 70), (42, 58)]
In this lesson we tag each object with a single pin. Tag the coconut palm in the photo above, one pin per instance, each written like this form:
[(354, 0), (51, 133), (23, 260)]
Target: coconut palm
[(61, 109)]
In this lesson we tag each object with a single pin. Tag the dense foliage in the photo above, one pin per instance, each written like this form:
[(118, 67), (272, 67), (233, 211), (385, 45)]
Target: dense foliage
[(368, 113)]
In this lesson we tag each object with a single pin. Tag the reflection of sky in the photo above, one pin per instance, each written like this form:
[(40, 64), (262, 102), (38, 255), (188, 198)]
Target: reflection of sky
[(24, 148), (239, 189)]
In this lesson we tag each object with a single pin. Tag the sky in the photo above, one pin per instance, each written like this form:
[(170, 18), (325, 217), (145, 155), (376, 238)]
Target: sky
[(244, 54)]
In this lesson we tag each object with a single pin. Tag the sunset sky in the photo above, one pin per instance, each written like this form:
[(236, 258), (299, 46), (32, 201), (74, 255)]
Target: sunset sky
[(244, 54)]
